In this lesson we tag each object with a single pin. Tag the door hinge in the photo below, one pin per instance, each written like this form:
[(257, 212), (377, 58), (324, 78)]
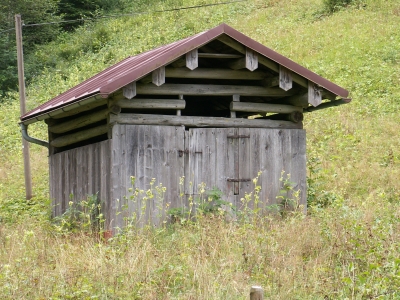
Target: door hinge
[(238, 136), (183, 151), (238, 180)]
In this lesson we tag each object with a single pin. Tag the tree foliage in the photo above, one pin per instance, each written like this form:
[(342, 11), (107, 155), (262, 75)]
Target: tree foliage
[(32, 12)]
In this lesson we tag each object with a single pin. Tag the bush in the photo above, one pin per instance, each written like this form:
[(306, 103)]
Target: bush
[(335, 5)]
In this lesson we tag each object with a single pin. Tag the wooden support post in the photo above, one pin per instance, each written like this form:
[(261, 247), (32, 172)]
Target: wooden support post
[(178, 111), (192, 61), (256, 293), (158, 76), (235, 98), (251, 59), (22, 95), (285, 78), (314, 94), (129, 91)]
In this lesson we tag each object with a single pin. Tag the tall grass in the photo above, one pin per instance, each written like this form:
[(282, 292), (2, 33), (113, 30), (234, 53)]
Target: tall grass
[(349, 249)]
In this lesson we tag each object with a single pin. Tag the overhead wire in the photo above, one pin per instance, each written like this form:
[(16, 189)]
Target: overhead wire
[(127, 15)]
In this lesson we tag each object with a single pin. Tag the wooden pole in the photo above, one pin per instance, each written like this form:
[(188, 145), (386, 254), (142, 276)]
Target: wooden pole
[(256, 293), (21, 84)]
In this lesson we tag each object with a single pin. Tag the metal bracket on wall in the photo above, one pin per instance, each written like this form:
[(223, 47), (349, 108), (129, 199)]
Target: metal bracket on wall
[(238, 136), (238, 180)]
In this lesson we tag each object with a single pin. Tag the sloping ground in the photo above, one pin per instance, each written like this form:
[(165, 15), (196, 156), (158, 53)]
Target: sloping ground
[(349, 249)]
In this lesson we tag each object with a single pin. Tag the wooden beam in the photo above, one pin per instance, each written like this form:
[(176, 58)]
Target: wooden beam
[(328, 104), (218, 55), (314, 94), (295, 117), (264, 107), (191, 121), (251, 59), (151, 103), (79, 122), (297, 100), (210, 90), (77, 137), (74, 111), (158, 76), (285, 78), (215, 74), (129, 91), (270, 81), (238, 64), (192, 61)]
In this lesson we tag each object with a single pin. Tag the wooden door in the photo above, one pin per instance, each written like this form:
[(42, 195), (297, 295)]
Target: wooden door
[(230, 158)]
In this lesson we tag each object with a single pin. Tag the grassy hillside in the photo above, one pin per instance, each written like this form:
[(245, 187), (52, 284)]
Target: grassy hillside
[(348, 249)]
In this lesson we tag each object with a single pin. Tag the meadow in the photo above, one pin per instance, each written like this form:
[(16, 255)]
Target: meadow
[(347, 245)]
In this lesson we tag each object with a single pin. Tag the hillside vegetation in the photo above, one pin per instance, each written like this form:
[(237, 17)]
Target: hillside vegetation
[(346, 247)]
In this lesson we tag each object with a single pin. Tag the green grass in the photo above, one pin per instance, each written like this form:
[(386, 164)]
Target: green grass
[(347, 250)]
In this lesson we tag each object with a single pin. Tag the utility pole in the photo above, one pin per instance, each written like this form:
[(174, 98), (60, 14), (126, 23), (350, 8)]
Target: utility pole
[(22, 99)]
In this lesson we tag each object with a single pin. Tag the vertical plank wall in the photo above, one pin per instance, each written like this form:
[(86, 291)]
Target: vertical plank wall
[(146, 152), (79, 172)]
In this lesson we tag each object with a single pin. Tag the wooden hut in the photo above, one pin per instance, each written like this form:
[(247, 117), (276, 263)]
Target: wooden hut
[(183, 109)]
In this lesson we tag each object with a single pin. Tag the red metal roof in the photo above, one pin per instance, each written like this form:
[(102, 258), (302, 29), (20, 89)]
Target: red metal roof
[(135, 67)]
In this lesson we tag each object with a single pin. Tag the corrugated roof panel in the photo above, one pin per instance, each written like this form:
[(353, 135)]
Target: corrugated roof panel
[(135, 67)]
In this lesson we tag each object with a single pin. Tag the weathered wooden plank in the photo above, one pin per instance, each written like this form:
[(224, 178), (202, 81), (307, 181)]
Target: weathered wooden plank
[(143, 119), (210, 90), (219, 55), (245, 168), (104, 181), (251, 59), (151, 103), (158, 76), (285, 78), (129, 91), (298, 165), (117, 173), (210, 73), (192, 61), (79, 122), (79, 136), (314, 94), (214, 74), (264, 107)]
